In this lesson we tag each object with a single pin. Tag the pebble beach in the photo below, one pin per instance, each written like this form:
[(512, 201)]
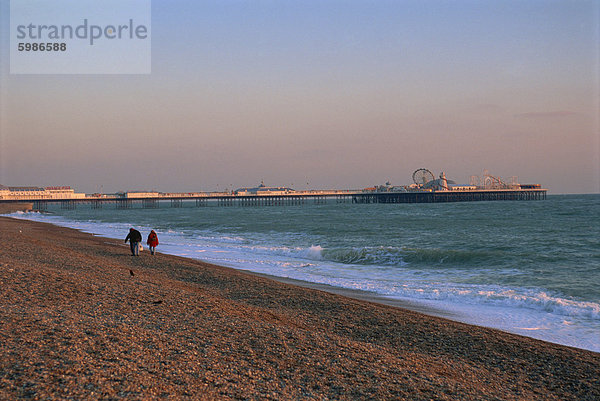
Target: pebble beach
[(80, 318)]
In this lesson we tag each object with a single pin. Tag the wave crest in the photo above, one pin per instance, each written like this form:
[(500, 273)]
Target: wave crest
[(393, 256)]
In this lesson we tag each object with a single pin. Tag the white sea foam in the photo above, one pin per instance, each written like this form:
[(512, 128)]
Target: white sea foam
[(531, 312), (315, 252)]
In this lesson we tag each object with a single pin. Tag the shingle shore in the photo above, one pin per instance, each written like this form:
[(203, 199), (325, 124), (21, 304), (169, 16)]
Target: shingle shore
[(75, 324)]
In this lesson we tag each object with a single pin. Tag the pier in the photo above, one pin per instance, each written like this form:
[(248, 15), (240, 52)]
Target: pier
[(425, 189), (290, 199)]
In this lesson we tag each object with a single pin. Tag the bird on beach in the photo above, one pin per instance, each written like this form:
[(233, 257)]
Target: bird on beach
[(131, 273)]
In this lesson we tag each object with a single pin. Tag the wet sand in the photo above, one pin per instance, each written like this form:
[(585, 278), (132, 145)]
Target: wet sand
[(83, 319), (363, 295)]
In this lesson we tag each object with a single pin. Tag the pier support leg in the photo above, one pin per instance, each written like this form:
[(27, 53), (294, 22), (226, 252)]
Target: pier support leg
[(150, 203), (68, 204), (123, 204), (40, 205)]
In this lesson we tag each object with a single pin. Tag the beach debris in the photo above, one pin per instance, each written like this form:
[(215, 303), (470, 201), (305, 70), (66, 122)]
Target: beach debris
[(131, 273), (157, 302)]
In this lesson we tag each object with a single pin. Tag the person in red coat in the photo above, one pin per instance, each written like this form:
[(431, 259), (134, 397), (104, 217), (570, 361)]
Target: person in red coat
[(152, 241)]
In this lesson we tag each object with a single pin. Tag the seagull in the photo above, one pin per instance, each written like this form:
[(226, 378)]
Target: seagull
[(131, 273)]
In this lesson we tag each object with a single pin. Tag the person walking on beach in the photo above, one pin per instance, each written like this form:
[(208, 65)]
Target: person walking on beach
[(152, 241), (134, 238)]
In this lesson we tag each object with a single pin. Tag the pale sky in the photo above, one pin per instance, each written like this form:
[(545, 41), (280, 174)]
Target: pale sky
[(320, 94)]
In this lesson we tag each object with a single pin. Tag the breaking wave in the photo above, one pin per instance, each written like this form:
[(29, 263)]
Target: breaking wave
[(391, 256)]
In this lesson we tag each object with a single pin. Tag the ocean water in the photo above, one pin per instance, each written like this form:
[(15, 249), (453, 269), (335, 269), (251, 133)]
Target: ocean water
[(531, 268)]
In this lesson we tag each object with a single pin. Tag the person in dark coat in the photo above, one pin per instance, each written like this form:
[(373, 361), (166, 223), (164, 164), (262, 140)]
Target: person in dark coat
[(152, 241), (134, 238)]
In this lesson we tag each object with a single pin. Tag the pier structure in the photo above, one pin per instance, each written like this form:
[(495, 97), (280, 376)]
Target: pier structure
[(425, 189), (293, 199)]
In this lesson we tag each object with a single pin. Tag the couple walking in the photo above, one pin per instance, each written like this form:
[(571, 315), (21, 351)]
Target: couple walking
[(135, 239)]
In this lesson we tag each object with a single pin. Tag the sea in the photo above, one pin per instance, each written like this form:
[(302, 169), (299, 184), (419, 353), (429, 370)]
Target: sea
[(525, 267)]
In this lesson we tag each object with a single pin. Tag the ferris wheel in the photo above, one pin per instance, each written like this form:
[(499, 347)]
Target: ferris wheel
[(422, 176)]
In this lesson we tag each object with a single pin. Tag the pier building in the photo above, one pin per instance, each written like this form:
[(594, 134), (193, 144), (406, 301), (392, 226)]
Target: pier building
[(263, 190), (38, 193)]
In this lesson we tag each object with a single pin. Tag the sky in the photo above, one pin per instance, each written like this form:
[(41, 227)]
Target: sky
[(320, 94)]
